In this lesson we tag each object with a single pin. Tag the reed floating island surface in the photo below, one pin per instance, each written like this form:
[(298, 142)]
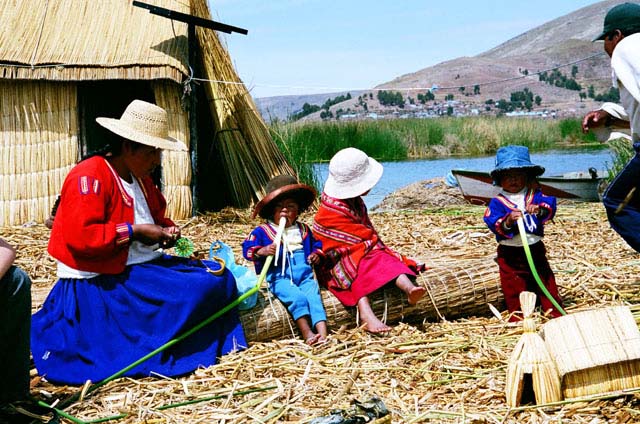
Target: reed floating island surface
[(426, 370)]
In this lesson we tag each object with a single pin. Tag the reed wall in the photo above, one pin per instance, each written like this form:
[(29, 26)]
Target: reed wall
[(176, 166), (38, 147)]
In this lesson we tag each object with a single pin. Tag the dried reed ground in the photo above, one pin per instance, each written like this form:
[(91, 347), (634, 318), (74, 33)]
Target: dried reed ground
[(432, 371)]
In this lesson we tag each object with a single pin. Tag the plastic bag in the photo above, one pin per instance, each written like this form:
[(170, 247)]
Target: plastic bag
[(246, 279)]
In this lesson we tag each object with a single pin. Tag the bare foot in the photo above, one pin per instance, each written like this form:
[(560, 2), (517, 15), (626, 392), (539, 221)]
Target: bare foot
[(313, 339), (376, 327), (415, 294), (371, 322)]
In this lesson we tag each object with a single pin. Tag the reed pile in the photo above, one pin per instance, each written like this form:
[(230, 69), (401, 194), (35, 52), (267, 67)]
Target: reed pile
[(439, 370)]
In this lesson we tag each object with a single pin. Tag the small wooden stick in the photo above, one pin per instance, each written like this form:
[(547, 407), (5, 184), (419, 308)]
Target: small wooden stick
[(625, 202)]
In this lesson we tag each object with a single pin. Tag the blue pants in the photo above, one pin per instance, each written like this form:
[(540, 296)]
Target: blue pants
[(15, 326), (627, 221), (297, 289)]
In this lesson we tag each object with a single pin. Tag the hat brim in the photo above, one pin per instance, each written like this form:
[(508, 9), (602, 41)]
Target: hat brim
[(303, 194), (535, 170), (337, 190), (599, 37), (118, 127)]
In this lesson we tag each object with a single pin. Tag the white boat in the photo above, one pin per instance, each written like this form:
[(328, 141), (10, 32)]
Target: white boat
[(477, 186)]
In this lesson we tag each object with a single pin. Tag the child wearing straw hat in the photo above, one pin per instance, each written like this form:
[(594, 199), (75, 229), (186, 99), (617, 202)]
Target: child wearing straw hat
[(358, 262), (521, 198), (118, 296), (290, 277)]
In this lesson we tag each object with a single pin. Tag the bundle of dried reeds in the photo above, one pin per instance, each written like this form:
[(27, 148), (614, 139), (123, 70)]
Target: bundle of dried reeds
[(248, 152), (455, 289), (530, 359), (596, 351)]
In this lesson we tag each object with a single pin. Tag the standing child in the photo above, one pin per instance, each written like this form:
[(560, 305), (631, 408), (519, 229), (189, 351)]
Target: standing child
[(521, 197), (290, 278)]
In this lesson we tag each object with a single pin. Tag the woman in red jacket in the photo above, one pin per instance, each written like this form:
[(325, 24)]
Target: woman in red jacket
[(118, 296)]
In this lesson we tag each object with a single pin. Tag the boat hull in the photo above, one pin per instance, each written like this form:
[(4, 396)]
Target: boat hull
[(477, 186)]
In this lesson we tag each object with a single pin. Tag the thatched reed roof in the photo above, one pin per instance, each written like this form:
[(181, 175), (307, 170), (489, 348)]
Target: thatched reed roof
[(80, 40), (72, 40)]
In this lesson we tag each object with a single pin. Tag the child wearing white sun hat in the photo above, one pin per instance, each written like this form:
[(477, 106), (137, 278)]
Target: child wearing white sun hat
[(358, 262)]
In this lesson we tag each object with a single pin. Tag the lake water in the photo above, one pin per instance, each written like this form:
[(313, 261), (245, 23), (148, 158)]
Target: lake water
[(400, 174)]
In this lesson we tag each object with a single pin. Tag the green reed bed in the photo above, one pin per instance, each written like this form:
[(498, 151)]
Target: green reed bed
[(401, 139), (621, 153)]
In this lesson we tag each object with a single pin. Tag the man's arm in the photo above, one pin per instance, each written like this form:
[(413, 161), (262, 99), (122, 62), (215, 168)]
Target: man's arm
[(7, 256), (610, 114)]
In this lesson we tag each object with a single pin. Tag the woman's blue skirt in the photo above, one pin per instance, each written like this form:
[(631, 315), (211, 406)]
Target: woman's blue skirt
[(91, 329)]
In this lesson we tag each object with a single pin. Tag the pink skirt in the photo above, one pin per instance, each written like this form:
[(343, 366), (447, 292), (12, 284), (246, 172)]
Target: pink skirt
[(375, 270)]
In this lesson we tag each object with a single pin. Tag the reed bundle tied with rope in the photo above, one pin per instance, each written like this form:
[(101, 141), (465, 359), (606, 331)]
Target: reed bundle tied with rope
[(248, 152), (454, 289), (176, 165), (530, 359), (596, 351)]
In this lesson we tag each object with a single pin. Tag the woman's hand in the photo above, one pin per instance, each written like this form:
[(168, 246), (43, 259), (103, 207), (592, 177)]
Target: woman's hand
[(151, 234), (172, 234)]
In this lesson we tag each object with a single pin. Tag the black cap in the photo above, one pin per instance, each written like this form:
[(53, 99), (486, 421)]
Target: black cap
[(625, 16)]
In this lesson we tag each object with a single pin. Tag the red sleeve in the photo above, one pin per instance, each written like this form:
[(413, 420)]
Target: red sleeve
[(83, 217)]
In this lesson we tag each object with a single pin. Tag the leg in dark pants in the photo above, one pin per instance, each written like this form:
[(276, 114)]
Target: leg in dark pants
[(516, 277), (627, 221), (15, 326)]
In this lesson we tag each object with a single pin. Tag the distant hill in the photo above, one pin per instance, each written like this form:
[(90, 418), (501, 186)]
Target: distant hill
[(508, 67)]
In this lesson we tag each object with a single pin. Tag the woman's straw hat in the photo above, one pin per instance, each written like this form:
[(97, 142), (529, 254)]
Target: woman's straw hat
[(351, 173), (514, 157), (280, 187), (143, 123)]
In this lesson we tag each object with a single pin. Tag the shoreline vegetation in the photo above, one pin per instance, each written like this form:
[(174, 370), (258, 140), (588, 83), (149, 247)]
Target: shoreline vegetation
[(304, 144)]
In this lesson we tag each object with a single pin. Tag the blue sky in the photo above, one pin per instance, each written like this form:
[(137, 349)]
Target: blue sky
[(312, 46)]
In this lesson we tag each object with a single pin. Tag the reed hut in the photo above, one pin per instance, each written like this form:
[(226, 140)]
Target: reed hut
[(65, 62), (596, 351)]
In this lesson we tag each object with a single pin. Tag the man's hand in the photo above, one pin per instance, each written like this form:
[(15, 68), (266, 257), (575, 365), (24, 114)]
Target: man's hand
[(593, 119)]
